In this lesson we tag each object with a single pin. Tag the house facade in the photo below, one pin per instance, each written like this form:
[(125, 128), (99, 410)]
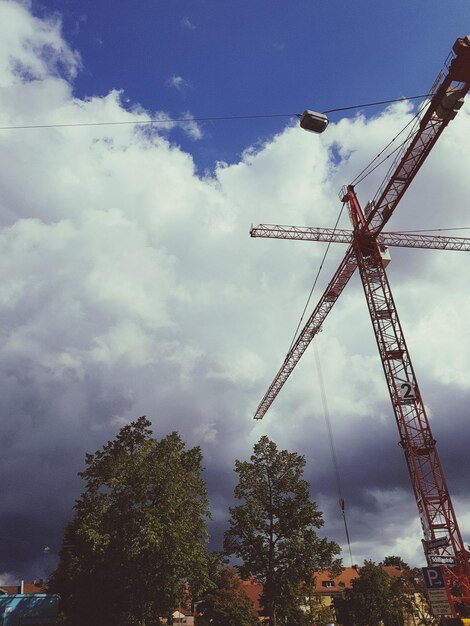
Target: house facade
[(326, 589)]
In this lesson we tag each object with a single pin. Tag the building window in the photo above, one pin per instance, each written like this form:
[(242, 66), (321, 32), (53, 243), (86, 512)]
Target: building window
[(328, 583)]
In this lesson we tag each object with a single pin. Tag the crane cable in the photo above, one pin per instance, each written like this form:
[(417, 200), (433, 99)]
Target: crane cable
[(426, 230), (369, 169), (316, 280), (323, 396), (332, 450), (359, 178)]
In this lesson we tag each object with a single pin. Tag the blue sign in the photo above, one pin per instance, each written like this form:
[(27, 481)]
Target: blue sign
[(433, 578)]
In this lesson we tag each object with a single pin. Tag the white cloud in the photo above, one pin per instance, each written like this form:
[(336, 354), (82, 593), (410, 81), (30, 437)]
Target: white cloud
[(31, 48), (178, 83), (129, 285), (186, 23), (191, 127)]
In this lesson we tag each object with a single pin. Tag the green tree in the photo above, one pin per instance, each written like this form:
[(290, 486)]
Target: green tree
[(375, 599), (321, 613), (295, 608), (395, 561), (273, 530), (137, 534), (421, 608), (417, 603), (228, 603)]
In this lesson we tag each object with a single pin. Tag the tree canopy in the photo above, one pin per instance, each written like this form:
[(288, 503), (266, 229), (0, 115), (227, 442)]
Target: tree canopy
[(395, 561), (375, 599), (138, 532), (273, 530), (418, 601)]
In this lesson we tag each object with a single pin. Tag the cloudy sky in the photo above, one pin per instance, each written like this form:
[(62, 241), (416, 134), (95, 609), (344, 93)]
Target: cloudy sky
[(130, 284)]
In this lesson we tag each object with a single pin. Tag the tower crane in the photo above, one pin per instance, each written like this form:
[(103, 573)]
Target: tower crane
[(367, 252)]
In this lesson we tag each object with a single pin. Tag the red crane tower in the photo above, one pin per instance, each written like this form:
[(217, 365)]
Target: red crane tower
[(367, 243)]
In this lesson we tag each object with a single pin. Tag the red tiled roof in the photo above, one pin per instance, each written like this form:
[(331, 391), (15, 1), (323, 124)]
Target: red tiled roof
[(393, 570), (253, 590), (27, 589), (344, 580)]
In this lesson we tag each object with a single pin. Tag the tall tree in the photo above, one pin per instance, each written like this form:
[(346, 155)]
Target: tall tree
[(228, 603), (137, 534), (273, 530)]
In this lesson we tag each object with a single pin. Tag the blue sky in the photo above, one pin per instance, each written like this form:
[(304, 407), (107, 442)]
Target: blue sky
[(256, 57), (130, 285)]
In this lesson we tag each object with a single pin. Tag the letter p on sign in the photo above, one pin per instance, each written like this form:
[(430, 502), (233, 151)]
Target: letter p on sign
[(433, 578)]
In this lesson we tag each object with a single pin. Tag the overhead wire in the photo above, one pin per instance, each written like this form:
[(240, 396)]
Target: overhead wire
[(149, 121), (372, 104), (200, 119)]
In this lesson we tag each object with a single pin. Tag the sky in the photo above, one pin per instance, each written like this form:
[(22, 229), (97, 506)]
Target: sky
[(131, 286)]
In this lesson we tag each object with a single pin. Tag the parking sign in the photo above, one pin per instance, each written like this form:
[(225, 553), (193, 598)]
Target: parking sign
[(436, 588), (433, 578)]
